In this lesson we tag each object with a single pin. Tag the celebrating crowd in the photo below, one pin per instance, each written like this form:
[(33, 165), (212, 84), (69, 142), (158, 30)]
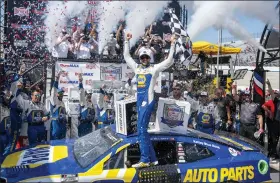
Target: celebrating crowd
[(234, 112), (80, 42)]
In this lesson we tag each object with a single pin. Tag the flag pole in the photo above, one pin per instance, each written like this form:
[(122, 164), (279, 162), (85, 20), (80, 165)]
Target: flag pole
[(218, 56)]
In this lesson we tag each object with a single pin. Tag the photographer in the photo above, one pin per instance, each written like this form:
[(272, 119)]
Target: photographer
[(112, 45), (84, 48), (62, 45), (119, 37)]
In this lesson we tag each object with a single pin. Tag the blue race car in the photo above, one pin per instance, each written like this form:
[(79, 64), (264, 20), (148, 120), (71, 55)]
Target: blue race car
[(105, 156)]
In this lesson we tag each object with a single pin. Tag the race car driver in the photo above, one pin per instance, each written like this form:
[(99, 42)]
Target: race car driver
[(146, 75), (5, 121), (105, 113), (58, 112), (87, 113), (205, 119)]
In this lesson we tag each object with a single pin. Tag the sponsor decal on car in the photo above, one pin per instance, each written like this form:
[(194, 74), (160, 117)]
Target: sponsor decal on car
[(242, 173), (69, 178), (206, 144), (233, 152)]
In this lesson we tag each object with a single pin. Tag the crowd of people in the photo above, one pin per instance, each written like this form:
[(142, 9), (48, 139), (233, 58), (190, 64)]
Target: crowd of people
[(81, 42), (23, 113)]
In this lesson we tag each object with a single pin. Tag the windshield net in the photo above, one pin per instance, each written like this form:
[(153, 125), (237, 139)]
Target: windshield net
[(88, 148)]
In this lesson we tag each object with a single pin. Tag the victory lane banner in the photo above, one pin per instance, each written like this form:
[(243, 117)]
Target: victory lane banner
[(94, 74), (172, 116)]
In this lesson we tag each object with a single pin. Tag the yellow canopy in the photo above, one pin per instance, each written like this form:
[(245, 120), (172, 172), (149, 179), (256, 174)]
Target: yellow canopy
[(208, 48)]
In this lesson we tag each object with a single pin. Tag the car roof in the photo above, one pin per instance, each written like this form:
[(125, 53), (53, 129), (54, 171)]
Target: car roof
[(189, 133), (197, 134)]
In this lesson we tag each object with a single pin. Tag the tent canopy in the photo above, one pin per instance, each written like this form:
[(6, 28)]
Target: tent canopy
[(208, 48)]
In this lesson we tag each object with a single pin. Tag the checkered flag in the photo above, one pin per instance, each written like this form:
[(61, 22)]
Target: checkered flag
[(184, 43)]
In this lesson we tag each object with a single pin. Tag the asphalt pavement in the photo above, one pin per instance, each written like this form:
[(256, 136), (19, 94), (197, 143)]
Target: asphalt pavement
[(275, 174)]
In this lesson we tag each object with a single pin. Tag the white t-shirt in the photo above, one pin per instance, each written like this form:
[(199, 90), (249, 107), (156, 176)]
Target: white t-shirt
[(152, 53), (84, 52), (61, 50)]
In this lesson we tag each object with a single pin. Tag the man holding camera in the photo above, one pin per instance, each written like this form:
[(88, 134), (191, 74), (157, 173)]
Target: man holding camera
[(84, 48), (62, 45)]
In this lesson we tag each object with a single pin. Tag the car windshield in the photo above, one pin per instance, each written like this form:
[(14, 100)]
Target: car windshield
[(88, 148)]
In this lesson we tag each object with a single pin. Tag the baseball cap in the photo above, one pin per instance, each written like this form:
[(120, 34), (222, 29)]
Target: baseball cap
[(145, 52)]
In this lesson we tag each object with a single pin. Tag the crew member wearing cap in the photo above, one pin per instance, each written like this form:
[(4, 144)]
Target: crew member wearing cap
[(146, 75), (249, 113), (105, 108), (87, 113), (15, 110), (58, 112), (5, 121), (205, 118)]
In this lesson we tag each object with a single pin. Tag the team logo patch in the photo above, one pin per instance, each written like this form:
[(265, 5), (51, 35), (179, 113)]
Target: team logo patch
[(141, 81), (173, 115), (206, 118)]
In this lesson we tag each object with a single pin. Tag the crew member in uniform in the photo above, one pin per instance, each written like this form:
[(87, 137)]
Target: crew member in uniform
[(205, 119), (58, 112), (15, 111), (36, 115), (146, 75), (105, 108), (87, 113), (5, 121)]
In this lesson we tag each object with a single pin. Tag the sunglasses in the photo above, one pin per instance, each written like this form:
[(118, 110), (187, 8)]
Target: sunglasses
[(145, 57), (38, 95)]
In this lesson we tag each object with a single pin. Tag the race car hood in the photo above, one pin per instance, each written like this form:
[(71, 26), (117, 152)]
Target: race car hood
[(41, 160)]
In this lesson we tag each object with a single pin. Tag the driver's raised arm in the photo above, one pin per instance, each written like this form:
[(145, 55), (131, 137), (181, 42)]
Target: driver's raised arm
[(127, 57)]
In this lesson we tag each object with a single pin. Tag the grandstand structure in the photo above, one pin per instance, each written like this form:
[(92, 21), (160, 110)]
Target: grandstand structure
[(3, 25)]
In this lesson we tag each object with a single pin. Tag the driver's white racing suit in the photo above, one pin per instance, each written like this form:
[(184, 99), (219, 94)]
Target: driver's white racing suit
[(146, 78)]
